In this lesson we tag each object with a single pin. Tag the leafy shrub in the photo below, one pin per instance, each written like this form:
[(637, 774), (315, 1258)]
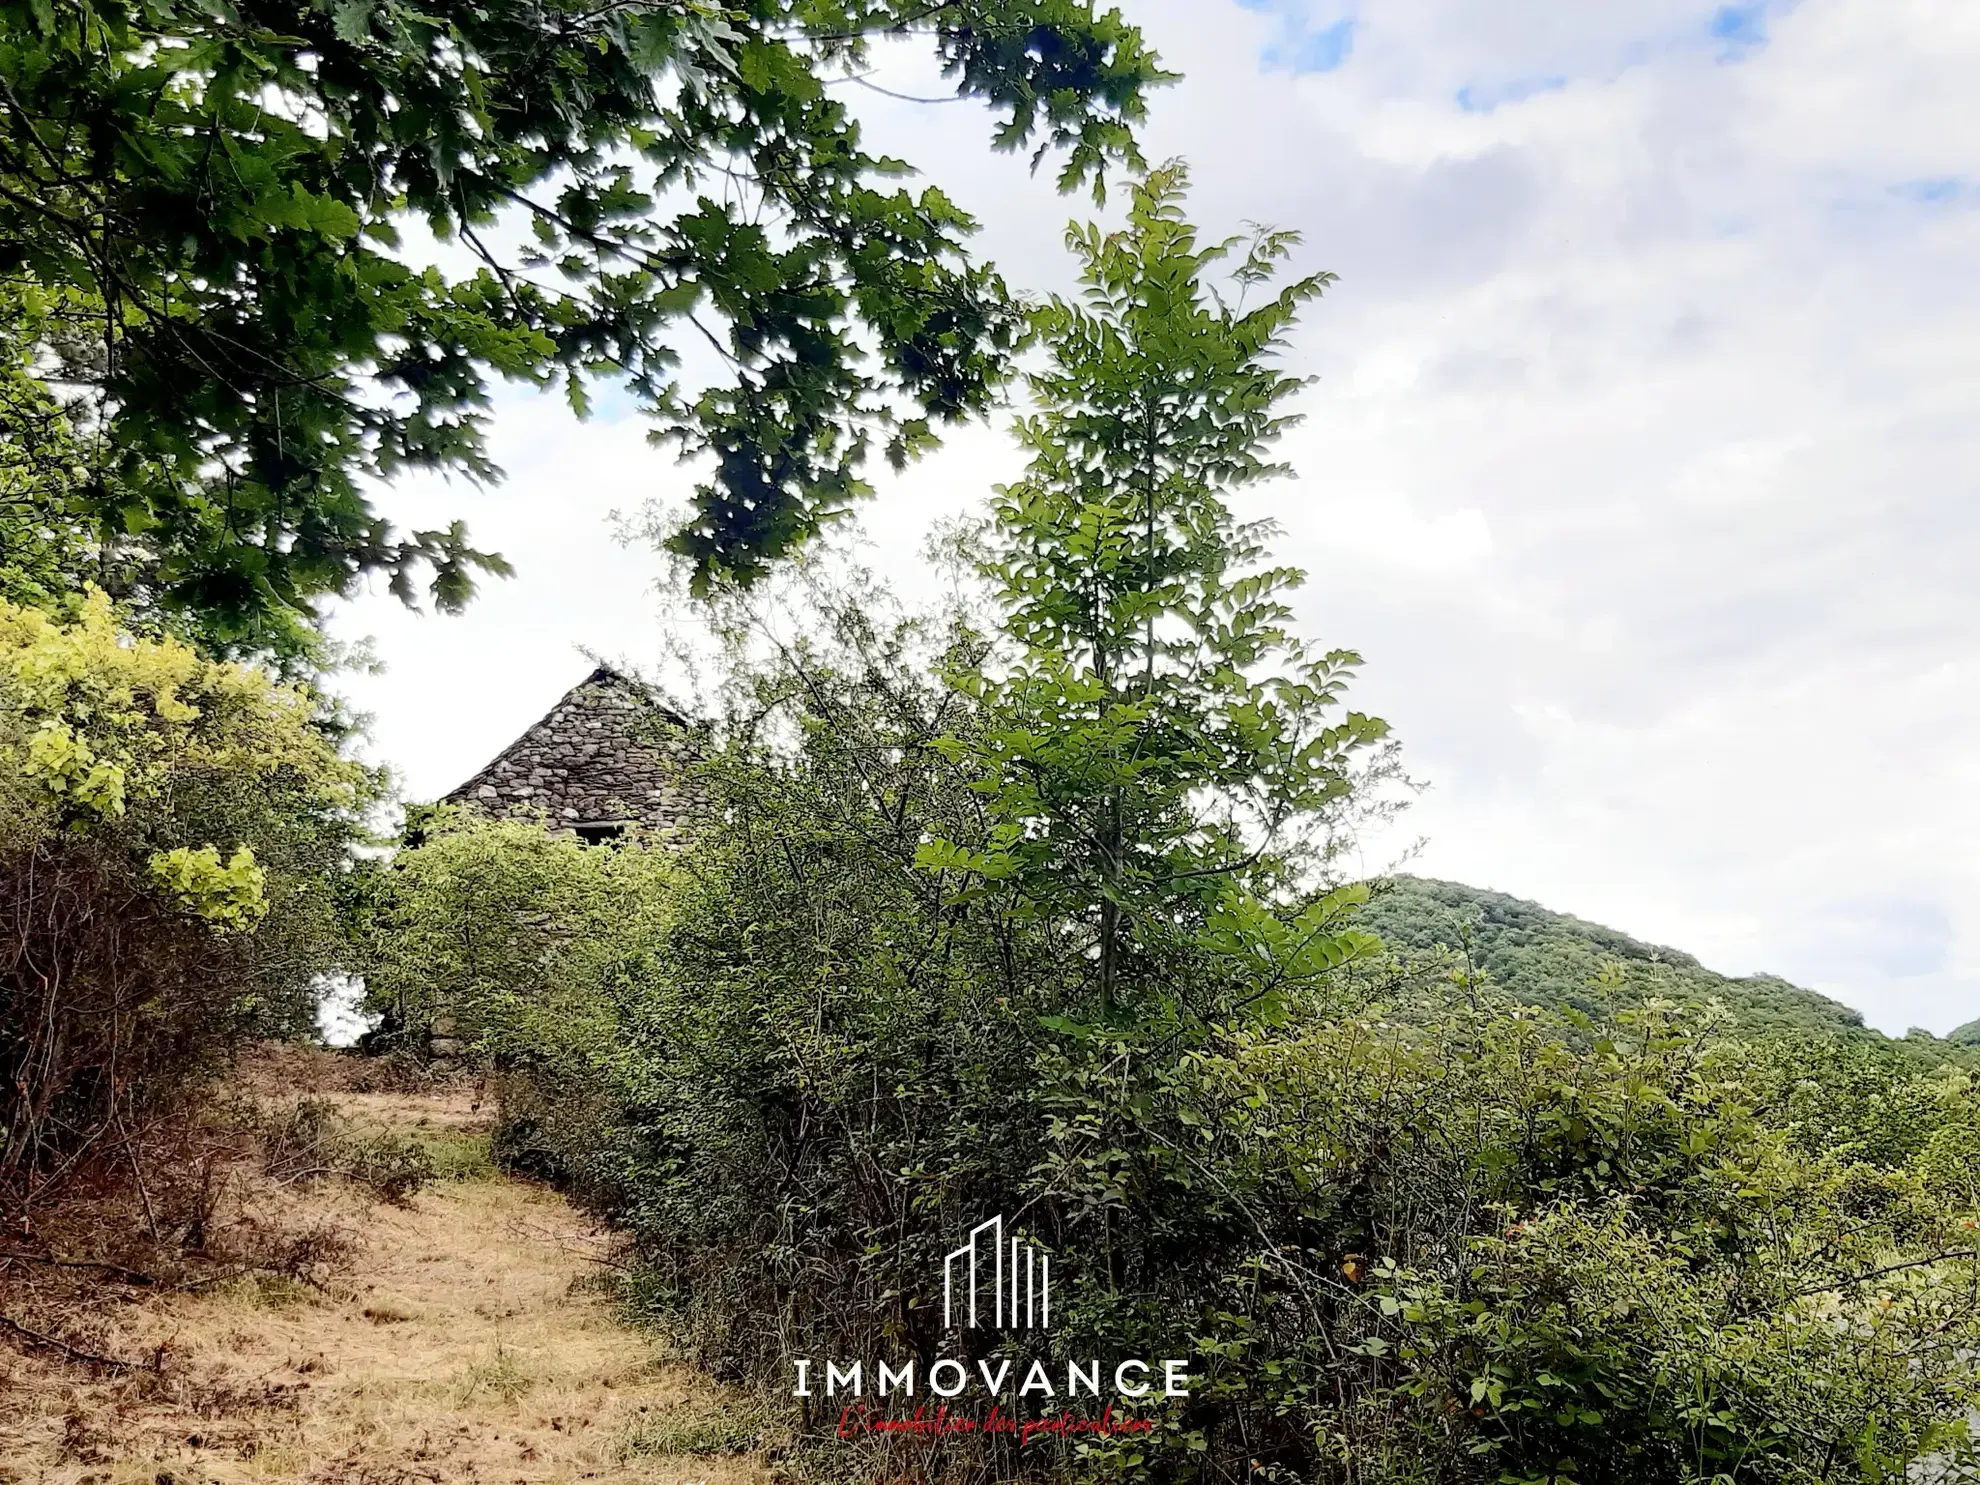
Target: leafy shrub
[(394, 1165), (525, 942), (506, 929), (1507, 1246), (173, 837), (1457, 1241)]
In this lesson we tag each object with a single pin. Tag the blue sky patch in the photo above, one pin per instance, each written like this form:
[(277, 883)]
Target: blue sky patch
[(1315, 51), (1484, 97), (1740, 29), (1303, 45), (1942, 190)]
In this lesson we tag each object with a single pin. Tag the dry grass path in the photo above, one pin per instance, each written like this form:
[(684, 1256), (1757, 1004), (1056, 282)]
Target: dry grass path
[(463, 1338)]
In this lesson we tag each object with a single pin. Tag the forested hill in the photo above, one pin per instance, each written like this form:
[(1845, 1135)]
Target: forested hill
[(1548, 958)]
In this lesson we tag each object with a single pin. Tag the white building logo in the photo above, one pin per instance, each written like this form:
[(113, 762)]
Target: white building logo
[(1007, 1284)]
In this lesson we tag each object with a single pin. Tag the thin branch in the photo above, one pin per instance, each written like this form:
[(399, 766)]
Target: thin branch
[(1878, 1273), (76, 1353), (897, 25), (128, 1275), (874, 87)]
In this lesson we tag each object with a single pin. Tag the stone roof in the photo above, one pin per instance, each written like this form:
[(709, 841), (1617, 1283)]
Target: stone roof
[(607, 754)]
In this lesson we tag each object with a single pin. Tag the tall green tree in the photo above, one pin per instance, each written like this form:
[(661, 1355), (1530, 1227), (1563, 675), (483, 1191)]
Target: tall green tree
[(201, 204), (1169, 750)]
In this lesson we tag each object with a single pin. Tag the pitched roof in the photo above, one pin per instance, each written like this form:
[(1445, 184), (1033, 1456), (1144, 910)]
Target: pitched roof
[(609, 751)]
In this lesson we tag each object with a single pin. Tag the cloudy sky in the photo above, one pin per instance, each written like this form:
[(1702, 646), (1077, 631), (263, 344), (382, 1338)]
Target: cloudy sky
[(1642, 466)]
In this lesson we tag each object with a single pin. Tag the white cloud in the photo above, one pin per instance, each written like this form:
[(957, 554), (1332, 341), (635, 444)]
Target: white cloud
[(1643, 467)]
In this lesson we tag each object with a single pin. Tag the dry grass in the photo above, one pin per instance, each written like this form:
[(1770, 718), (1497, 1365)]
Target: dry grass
[(284, 1069), (463, 1338)]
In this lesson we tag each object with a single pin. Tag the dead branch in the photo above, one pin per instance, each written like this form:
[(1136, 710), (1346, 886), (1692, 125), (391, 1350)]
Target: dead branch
[(76, 1353), (115, 1270)]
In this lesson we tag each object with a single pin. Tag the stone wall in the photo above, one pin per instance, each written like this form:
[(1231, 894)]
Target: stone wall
[(608, 753)]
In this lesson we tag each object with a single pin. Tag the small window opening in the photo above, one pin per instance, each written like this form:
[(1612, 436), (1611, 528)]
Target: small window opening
[(597, 835)]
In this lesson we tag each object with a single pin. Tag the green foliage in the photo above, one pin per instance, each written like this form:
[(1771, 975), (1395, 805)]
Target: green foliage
[(45, 547), (1163, 746), (201, 211), (174, 851), (227, 895), (1860, 1098), (811, 972), (1505, 1246), (1460, 1241), (392, 1164), (104, 729), (1468, 1245), (1542, 958), (457, 1156), (505, 929)]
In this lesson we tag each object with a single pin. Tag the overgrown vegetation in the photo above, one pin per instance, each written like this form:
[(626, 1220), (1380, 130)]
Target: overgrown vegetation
[(1031, 907), (502, 927), (174, 839), (1034, 914), (310, 1139)]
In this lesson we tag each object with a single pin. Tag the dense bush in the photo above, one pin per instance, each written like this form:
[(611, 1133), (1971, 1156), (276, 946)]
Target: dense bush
[(519, 945), (1456, 1240), (500, 926), (173, 836)]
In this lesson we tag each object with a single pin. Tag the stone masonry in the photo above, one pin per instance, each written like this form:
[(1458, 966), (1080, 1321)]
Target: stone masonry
[(608, 755)]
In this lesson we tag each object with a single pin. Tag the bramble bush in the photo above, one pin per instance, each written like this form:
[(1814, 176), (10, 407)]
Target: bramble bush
[(174, 838), (1038, 915)]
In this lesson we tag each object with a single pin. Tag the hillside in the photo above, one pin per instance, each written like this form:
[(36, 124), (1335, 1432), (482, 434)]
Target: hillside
[(1549, 958)]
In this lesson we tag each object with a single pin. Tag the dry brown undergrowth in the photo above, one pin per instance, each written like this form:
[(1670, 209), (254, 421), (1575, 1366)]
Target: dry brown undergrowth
[(461, 1338)]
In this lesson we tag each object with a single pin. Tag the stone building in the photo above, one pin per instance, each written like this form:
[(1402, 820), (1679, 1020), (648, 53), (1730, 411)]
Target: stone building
[(606, 759)]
